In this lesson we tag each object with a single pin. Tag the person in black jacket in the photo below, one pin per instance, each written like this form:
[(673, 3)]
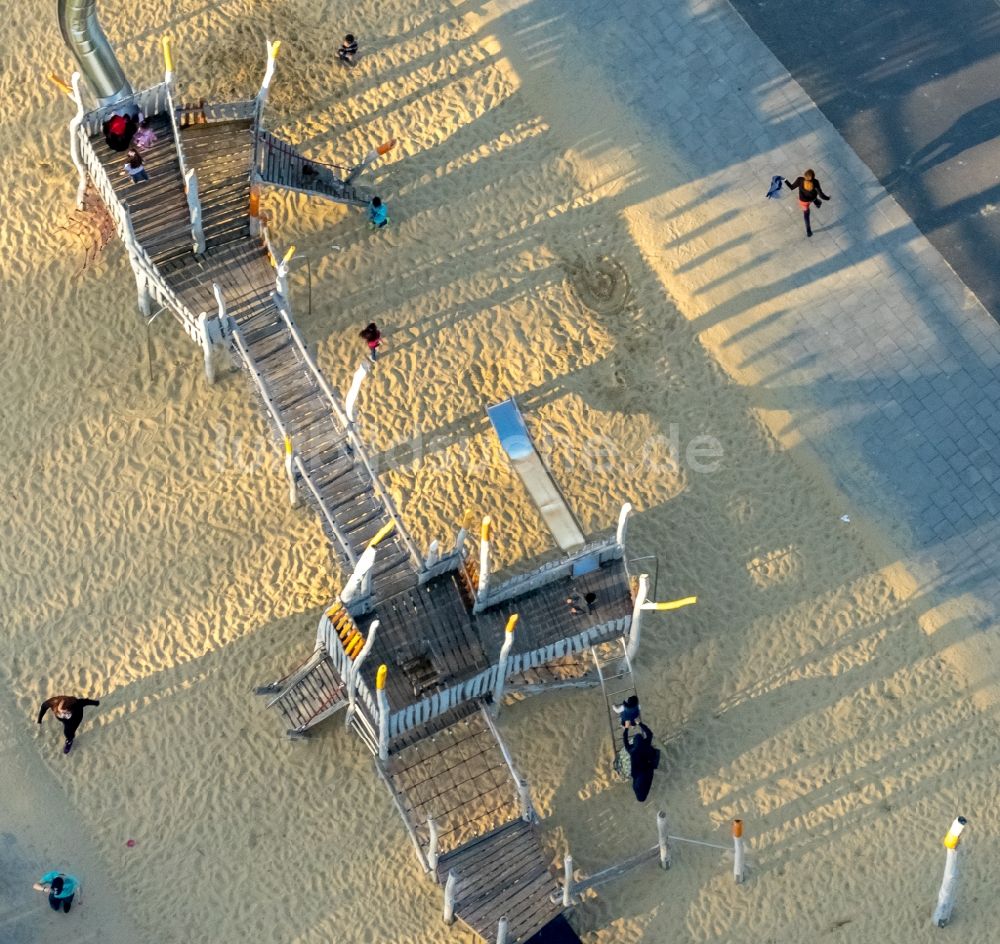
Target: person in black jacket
[(69, 711), (810, 194), (644, 759)]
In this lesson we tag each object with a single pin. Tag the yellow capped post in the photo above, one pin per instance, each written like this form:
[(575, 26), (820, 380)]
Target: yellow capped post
[(168, 59), (275, 46), (486, 529), (672, 604), (955, 833), (382, 533), (511, 623), (383, 671), (288, 255)]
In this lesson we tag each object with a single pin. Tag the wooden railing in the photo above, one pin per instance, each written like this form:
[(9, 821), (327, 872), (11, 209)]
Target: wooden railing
[(118, 211), (149, 101)]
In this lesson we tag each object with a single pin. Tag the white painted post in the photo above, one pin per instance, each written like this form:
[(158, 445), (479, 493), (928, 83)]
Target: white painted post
[(194, 211), (281, 275), (623, 517), (485, 534), (567, 880), (272, 54), (433, 555), (449, 898), (460, 540), (633, 633), (502, 930), (739, 869), (524, 796), (383, 714), (949, 882), (74, 143), (206, 349), (351, 403), (355, 669), (293, 492), (508, 642), (664, 840), (432, 847)]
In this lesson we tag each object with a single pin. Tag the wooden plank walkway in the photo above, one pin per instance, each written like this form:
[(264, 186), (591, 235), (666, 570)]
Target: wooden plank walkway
[(458, 778), (503, 874), (158, 207), (279, 163)]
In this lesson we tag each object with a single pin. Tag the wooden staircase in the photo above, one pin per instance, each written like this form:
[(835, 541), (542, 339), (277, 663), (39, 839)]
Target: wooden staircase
[(313, 693)]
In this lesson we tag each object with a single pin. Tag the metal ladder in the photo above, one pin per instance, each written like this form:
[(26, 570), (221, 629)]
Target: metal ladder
[(614, 669)]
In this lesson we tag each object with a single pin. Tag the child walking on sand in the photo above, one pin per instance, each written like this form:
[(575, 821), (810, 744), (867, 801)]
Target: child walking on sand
[(810, 192), (69, 711), (61, 888), (373, 336)]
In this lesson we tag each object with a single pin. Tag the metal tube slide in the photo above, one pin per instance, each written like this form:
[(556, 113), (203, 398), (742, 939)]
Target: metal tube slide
[(87, 42)]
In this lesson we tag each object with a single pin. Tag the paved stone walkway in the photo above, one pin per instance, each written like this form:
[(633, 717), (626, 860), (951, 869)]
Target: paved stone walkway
[(860, 342)]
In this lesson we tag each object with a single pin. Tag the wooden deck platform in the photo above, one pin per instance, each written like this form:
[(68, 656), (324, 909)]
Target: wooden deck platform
[(503, 874)]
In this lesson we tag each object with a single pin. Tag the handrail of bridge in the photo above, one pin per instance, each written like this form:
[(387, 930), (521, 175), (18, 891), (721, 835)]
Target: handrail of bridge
[(356, 443), (118, 211), (330, 520)]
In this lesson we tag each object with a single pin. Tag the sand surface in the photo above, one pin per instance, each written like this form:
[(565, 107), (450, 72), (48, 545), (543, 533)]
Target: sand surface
[(149, 556)]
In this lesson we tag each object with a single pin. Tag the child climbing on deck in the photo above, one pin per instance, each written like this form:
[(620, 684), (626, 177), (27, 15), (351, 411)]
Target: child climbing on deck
[(134, 167), (145, 137), (348, 49), (628, 711)]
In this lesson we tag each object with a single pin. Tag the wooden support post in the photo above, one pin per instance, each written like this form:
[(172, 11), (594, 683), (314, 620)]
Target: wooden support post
[(74, 143), (528, 813), (281, 276), (508, 642), (664, 839), (567, 890), (255, 218), (206, 349), (623, 517), (449, 898), (272, 55), (351, 403), (432, 847), (739, 869), (194, 211), (383, 713), (949, 882), (433, 555), (485, 535), (633, 634), (352, 681), (502, 927), (293, 492)]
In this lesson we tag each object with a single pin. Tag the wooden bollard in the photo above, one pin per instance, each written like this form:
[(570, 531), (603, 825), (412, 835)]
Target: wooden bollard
[(739, 869), (632, 648), (293, 492), (449, 897), (508, 642), (206, 347), (502, 930), (383, 712), (485, 535), (567, 898), (432, 847), (949, 883), (664, 840), (524, 796)]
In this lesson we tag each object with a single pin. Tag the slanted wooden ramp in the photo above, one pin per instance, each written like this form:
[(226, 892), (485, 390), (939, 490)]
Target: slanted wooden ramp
[(313, 693), (280, 164), (502, 875)]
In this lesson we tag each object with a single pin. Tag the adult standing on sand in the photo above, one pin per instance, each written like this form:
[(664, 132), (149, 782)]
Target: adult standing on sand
[(810, 193), (69, 710)]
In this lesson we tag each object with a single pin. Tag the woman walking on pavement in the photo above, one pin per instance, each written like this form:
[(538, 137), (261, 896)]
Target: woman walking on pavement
[(810, 193), (69, 711)]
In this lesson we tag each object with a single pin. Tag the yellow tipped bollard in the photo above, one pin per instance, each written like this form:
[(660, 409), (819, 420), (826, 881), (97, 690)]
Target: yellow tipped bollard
[(511, 623), (955, 833), (275, 46), (288, 255), (487, 528), (383, 533), (168, 59), (383, 671), (288, 445)]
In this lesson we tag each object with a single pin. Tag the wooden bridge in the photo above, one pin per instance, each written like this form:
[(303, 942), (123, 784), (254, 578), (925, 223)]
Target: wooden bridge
[(199, 248)]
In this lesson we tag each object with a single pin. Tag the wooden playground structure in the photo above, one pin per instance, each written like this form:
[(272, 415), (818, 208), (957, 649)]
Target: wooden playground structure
[(419, 648)]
